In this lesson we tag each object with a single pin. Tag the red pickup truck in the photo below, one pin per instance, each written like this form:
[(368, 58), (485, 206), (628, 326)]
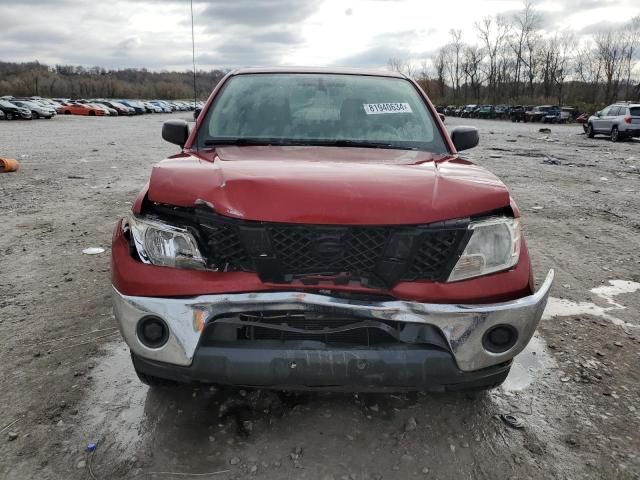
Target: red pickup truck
[(318, 230)]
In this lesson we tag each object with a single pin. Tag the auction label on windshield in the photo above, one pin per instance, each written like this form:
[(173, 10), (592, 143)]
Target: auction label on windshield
[(377, 108)]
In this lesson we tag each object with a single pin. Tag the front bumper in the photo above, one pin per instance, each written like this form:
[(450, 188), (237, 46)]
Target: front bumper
[(462, 326)]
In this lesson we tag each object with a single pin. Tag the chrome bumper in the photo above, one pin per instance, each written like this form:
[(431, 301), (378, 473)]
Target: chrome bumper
[(463, 326)]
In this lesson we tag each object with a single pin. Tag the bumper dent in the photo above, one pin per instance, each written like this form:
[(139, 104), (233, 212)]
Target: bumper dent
[(463, 326)]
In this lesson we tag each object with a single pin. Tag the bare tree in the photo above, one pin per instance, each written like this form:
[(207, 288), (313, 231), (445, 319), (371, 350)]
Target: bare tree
[(526, 22), (402, 66), (473, 58), (564, 61), (456, 50), (440, 65), (493, 34), (611, 50), (632, 41), (532, 62)]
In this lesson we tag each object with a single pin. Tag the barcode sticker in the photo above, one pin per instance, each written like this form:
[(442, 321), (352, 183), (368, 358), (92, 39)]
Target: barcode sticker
[(378, 108)]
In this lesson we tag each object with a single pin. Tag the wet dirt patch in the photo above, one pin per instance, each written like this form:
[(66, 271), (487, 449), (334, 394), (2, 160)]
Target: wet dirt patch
[(559, 307), (307, 435)]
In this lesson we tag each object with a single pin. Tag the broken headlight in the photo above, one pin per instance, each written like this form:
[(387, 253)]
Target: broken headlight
[(162, 244), (494, 246)]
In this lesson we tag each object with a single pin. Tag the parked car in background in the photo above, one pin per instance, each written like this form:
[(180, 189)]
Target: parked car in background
[(164, 106), (37, 109), (486, 111), (467, 111), (247, 262), (137, 106), (152, 108), (556, 115), (14, 112), (2, 117), (107, 110), (538, 113), (118, 107), (501, 111), (517, 113), (75, 108), (618, 121), (570, 114)]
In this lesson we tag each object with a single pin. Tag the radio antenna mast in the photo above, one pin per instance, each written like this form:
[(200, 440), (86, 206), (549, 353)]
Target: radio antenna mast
[(193, 52)]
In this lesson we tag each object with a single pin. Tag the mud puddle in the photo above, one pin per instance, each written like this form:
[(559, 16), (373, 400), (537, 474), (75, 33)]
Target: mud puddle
[(529, 366), (196, 429), (559, 307)]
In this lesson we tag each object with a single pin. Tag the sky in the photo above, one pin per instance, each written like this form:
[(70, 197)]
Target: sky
[(156, 34)]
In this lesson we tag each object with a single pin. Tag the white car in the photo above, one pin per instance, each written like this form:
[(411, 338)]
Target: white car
[(37, 109), (618, 121)]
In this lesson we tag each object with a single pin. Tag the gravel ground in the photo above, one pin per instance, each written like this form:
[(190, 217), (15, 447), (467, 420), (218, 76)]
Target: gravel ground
[(575, 390)]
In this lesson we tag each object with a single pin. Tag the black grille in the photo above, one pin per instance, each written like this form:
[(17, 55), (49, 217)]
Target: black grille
[(312, 326), (304, 250), (359, 336), (373, 255), (436, 249)]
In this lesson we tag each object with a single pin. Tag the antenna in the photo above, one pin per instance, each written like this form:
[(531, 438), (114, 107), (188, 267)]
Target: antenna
[(193, 51)]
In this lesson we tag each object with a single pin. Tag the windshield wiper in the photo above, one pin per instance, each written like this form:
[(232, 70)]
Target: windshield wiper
[(247, 141), (358, 144)]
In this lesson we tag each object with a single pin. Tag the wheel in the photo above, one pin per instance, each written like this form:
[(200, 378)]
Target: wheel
[(513, 120), (35, 115), (590, 132), (615, 134), (92, 113), (9, 116), (67, 112)]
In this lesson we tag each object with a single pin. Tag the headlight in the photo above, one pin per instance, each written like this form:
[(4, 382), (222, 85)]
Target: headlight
[(162, 244), (494, 246)]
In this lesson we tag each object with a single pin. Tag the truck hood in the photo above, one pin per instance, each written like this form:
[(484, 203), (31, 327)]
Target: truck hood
[(328, 185)]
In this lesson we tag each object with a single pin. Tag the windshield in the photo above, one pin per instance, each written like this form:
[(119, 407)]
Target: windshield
[(320, 109)]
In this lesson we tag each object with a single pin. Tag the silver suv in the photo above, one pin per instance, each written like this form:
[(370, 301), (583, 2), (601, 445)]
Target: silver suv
[(619, 121)]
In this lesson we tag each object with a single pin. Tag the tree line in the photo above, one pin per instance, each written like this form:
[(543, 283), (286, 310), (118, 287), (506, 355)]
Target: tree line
[(512, 60), (71, 81)]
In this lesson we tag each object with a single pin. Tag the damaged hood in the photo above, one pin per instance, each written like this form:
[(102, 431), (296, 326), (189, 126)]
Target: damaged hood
[(328, 185)]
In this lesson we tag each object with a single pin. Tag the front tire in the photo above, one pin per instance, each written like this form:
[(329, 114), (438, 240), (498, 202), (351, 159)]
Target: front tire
[(92, 113), (590, 131), (615, 134), (9, 116), (35, 115)]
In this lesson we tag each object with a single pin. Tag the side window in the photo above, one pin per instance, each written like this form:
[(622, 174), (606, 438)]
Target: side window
[(614, 112), (605, 111)]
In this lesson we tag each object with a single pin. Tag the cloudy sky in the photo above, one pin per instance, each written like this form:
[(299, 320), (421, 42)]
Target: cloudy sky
[(229, 33)]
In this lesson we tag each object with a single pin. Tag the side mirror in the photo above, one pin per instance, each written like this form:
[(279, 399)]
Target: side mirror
[(598, 114), (464, 138), (175, 131)]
